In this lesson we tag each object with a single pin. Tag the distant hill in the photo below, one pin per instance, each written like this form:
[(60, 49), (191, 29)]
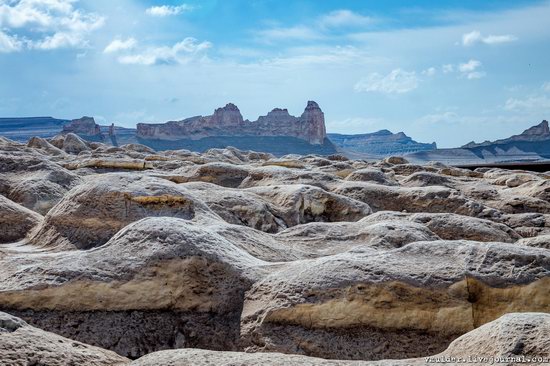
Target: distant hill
[(381, 143), (21, 129), (532, 144)]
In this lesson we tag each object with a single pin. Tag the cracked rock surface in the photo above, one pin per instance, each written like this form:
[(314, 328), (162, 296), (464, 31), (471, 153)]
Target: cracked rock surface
[(329, 261)]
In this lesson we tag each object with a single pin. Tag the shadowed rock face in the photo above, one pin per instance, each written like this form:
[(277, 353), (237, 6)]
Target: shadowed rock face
[(138, 251), (228, 121), (21, 344)]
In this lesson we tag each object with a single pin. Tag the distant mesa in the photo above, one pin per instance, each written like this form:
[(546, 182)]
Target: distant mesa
[(21, 129), (83, 126), (533, 144), (228, 121), (540, 132), (381, 143)]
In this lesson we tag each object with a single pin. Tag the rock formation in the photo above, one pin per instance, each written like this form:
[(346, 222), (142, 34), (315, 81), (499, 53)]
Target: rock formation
[(22, 129), (293, 260), (228, 121), (531, 145), (381, 143), (21, 344), (83, 126)]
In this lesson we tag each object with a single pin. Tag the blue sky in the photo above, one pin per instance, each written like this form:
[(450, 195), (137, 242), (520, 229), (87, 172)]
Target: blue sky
[(444, 71)]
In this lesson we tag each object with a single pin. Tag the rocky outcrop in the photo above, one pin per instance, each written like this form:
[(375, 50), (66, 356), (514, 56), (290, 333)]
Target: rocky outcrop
[(228, 121), (16, 221), (513, 339), (357, 305), (83, 126), (236, 251), (91, 213)]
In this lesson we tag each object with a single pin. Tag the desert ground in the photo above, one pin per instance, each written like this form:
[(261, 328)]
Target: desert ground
[(130, 256)]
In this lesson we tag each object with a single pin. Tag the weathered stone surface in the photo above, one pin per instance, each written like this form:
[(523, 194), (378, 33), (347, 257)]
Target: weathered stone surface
[(28, 178), (74, 144), (15, 220), (161, 282), (513, 335), (372, 175), (234, 250), (432, 199), (91, 213), (23, 345), (44, 146), (420, 296)]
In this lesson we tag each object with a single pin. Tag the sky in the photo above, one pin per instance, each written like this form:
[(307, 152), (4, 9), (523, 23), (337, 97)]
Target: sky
[(445, 71)]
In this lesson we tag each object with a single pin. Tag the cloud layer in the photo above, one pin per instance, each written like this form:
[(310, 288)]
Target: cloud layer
[(396, 82), (475, 37), (167, 10), (45, 25)]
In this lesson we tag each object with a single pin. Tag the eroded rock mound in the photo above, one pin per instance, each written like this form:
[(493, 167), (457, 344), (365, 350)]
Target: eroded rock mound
[(94, 211), (159, 283), (22, 345), (420, 296), (15, 220), (235, 250)]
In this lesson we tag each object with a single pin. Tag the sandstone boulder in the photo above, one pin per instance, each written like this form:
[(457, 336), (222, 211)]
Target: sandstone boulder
[(372, 175), (74, 144), (44, 146)]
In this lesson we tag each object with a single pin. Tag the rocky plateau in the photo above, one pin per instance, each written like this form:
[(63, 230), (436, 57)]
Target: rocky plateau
[(124, 255)]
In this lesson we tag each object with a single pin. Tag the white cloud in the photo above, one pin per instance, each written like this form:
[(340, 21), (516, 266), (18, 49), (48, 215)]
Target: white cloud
[(429, 71), (118, 45), (398, 81), (470, 70), (308, 56), (49, 24), (344, 18), (531, 103), (182, 52), (474, 37), (469, 66), (448, 68), (9, 43), (546, 86), (167, 10)]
